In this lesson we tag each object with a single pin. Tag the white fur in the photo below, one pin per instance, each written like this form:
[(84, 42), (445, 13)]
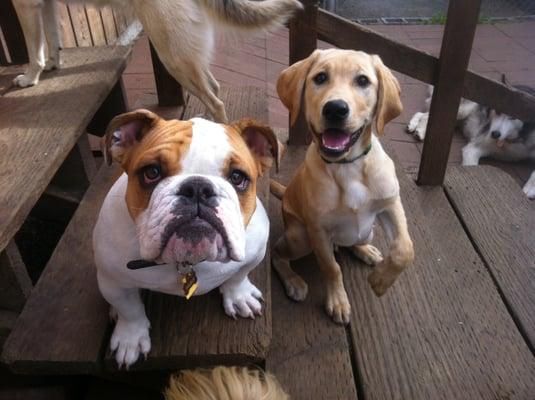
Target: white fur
[(117, 239), (477, 127)]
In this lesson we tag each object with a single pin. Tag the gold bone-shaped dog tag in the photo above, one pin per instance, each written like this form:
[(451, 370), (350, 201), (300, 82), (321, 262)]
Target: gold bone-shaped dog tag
[(189, 283)]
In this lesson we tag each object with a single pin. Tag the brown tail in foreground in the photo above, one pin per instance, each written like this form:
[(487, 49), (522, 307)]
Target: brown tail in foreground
[(277, 189)]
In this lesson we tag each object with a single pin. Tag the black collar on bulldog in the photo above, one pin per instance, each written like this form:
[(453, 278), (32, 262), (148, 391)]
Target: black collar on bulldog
[(186, 274), (348, 160)]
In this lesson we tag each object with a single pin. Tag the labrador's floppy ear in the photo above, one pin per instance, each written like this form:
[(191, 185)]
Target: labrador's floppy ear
[(291, 83), (388, 101), (262, 142), (124, 131)]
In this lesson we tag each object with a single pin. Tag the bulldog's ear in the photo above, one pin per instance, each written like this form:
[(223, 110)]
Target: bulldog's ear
[(262, 142), (124, 131), (291, 83), (388, 97)]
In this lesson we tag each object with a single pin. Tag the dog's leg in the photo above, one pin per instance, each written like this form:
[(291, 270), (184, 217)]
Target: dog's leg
[(337, 302), (30, 13), (130, 336), (471, 154), (293, 244), (51, 26), (401, 252), (529, 187), (240, 296), (418, 125)]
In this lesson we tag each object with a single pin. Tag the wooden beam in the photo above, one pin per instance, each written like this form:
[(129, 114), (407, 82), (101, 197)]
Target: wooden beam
[(303, 41), (169, 90), (116, 103), (13, 35), (422, 66), (454, 57), (15, 283)]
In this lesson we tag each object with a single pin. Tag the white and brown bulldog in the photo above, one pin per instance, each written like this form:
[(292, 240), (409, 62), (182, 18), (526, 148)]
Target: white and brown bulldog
[(185, 208), (347, 182)]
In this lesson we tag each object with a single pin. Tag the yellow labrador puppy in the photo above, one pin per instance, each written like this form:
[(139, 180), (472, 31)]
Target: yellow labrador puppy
[(347, 181)]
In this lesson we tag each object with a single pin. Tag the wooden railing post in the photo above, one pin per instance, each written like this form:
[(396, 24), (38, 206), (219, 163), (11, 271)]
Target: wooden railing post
[(454, 57), (13, 35), (169, 90), (303, 41)]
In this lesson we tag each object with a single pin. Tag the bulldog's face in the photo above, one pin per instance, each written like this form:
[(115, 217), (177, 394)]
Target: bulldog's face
[(191, 184), (344, 93)]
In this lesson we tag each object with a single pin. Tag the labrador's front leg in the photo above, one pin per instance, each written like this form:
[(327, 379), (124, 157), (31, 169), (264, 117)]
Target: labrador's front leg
[(401, 252)]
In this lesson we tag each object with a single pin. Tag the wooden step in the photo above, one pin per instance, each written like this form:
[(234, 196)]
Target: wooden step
[(64, 328)]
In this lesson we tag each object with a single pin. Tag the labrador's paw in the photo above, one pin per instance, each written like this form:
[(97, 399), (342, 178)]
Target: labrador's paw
[(337, 305)]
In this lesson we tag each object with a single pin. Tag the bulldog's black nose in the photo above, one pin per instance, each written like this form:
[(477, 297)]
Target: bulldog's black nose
[(495, 134), (335, 110), (198, 190)]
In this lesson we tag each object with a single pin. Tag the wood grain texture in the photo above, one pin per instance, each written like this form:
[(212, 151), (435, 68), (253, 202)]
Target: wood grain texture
[(309, 354), (454, 57), (302, 41), (43, 123), (63, 324), (108, 23), (98, 37), (80, 25), (422, 66), (442, 331), (500, 221), (197, 332), (68, 38)]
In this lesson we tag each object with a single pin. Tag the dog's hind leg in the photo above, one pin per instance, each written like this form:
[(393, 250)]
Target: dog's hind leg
[(30, 13), (293, 244), (529, 187), (51, 24)]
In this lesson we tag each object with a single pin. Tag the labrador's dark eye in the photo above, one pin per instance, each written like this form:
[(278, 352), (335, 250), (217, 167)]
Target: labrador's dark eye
[(362, 81), (152, 174), (239, 180), (320, 78)]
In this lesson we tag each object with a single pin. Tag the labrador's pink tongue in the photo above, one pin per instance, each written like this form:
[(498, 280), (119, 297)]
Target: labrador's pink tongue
[(335, 139)]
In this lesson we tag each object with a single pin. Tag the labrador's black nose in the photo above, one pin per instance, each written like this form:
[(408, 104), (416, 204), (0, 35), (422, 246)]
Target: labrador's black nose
[(495, 134), (198, 190), (335, 110)]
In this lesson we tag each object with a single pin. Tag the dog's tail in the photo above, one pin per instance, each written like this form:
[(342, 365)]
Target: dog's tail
[(247, 14), (277, 189)]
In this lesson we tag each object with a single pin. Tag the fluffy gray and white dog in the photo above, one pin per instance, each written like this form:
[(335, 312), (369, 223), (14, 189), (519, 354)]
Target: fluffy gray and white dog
[(489, 133)]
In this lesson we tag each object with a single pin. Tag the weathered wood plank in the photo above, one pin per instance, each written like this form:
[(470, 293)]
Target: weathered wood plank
[(499, 220), (109, 24), (169, 91), (303, 41), (67, 34), (98, 37), (188, 333), (442, 331), (42, 124), (15, 283), (422, 66), (80, 25), (309, 354), (454, 57), (63, 325)]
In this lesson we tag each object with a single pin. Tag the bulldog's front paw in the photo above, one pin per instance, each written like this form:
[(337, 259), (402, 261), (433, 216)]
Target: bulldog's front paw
[(242, 298), (337, 304), (129, 339), (25, 80)]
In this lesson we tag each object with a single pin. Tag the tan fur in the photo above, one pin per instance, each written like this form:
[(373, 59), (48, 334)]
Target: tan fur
[(224, 383), (182, 31), (321, 196)]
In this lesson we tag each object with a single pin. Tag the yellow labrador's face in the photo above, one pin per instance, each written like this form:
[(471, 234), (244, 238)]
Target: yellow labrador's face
[(345, 93)]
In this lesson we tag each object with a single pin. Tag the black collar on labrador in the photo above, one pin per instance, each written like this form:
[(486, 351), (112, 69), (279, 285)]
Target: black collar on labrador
[(349, 160)]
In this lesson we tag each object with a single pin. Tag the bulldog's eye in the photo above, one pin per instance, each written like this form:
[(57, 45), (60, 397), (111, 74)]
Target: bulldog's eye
[(152, 174), (320, 78), (362, 81), (239, 180)]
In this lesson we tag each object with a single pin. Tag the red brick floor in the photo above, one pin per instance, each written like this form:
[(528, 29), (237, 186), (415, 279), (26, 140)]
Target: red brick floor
[(258, 59)]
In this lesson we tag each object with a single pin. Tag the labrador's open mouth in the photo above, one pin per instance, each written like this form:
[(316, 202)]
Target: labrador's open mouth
[(335, 142)]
